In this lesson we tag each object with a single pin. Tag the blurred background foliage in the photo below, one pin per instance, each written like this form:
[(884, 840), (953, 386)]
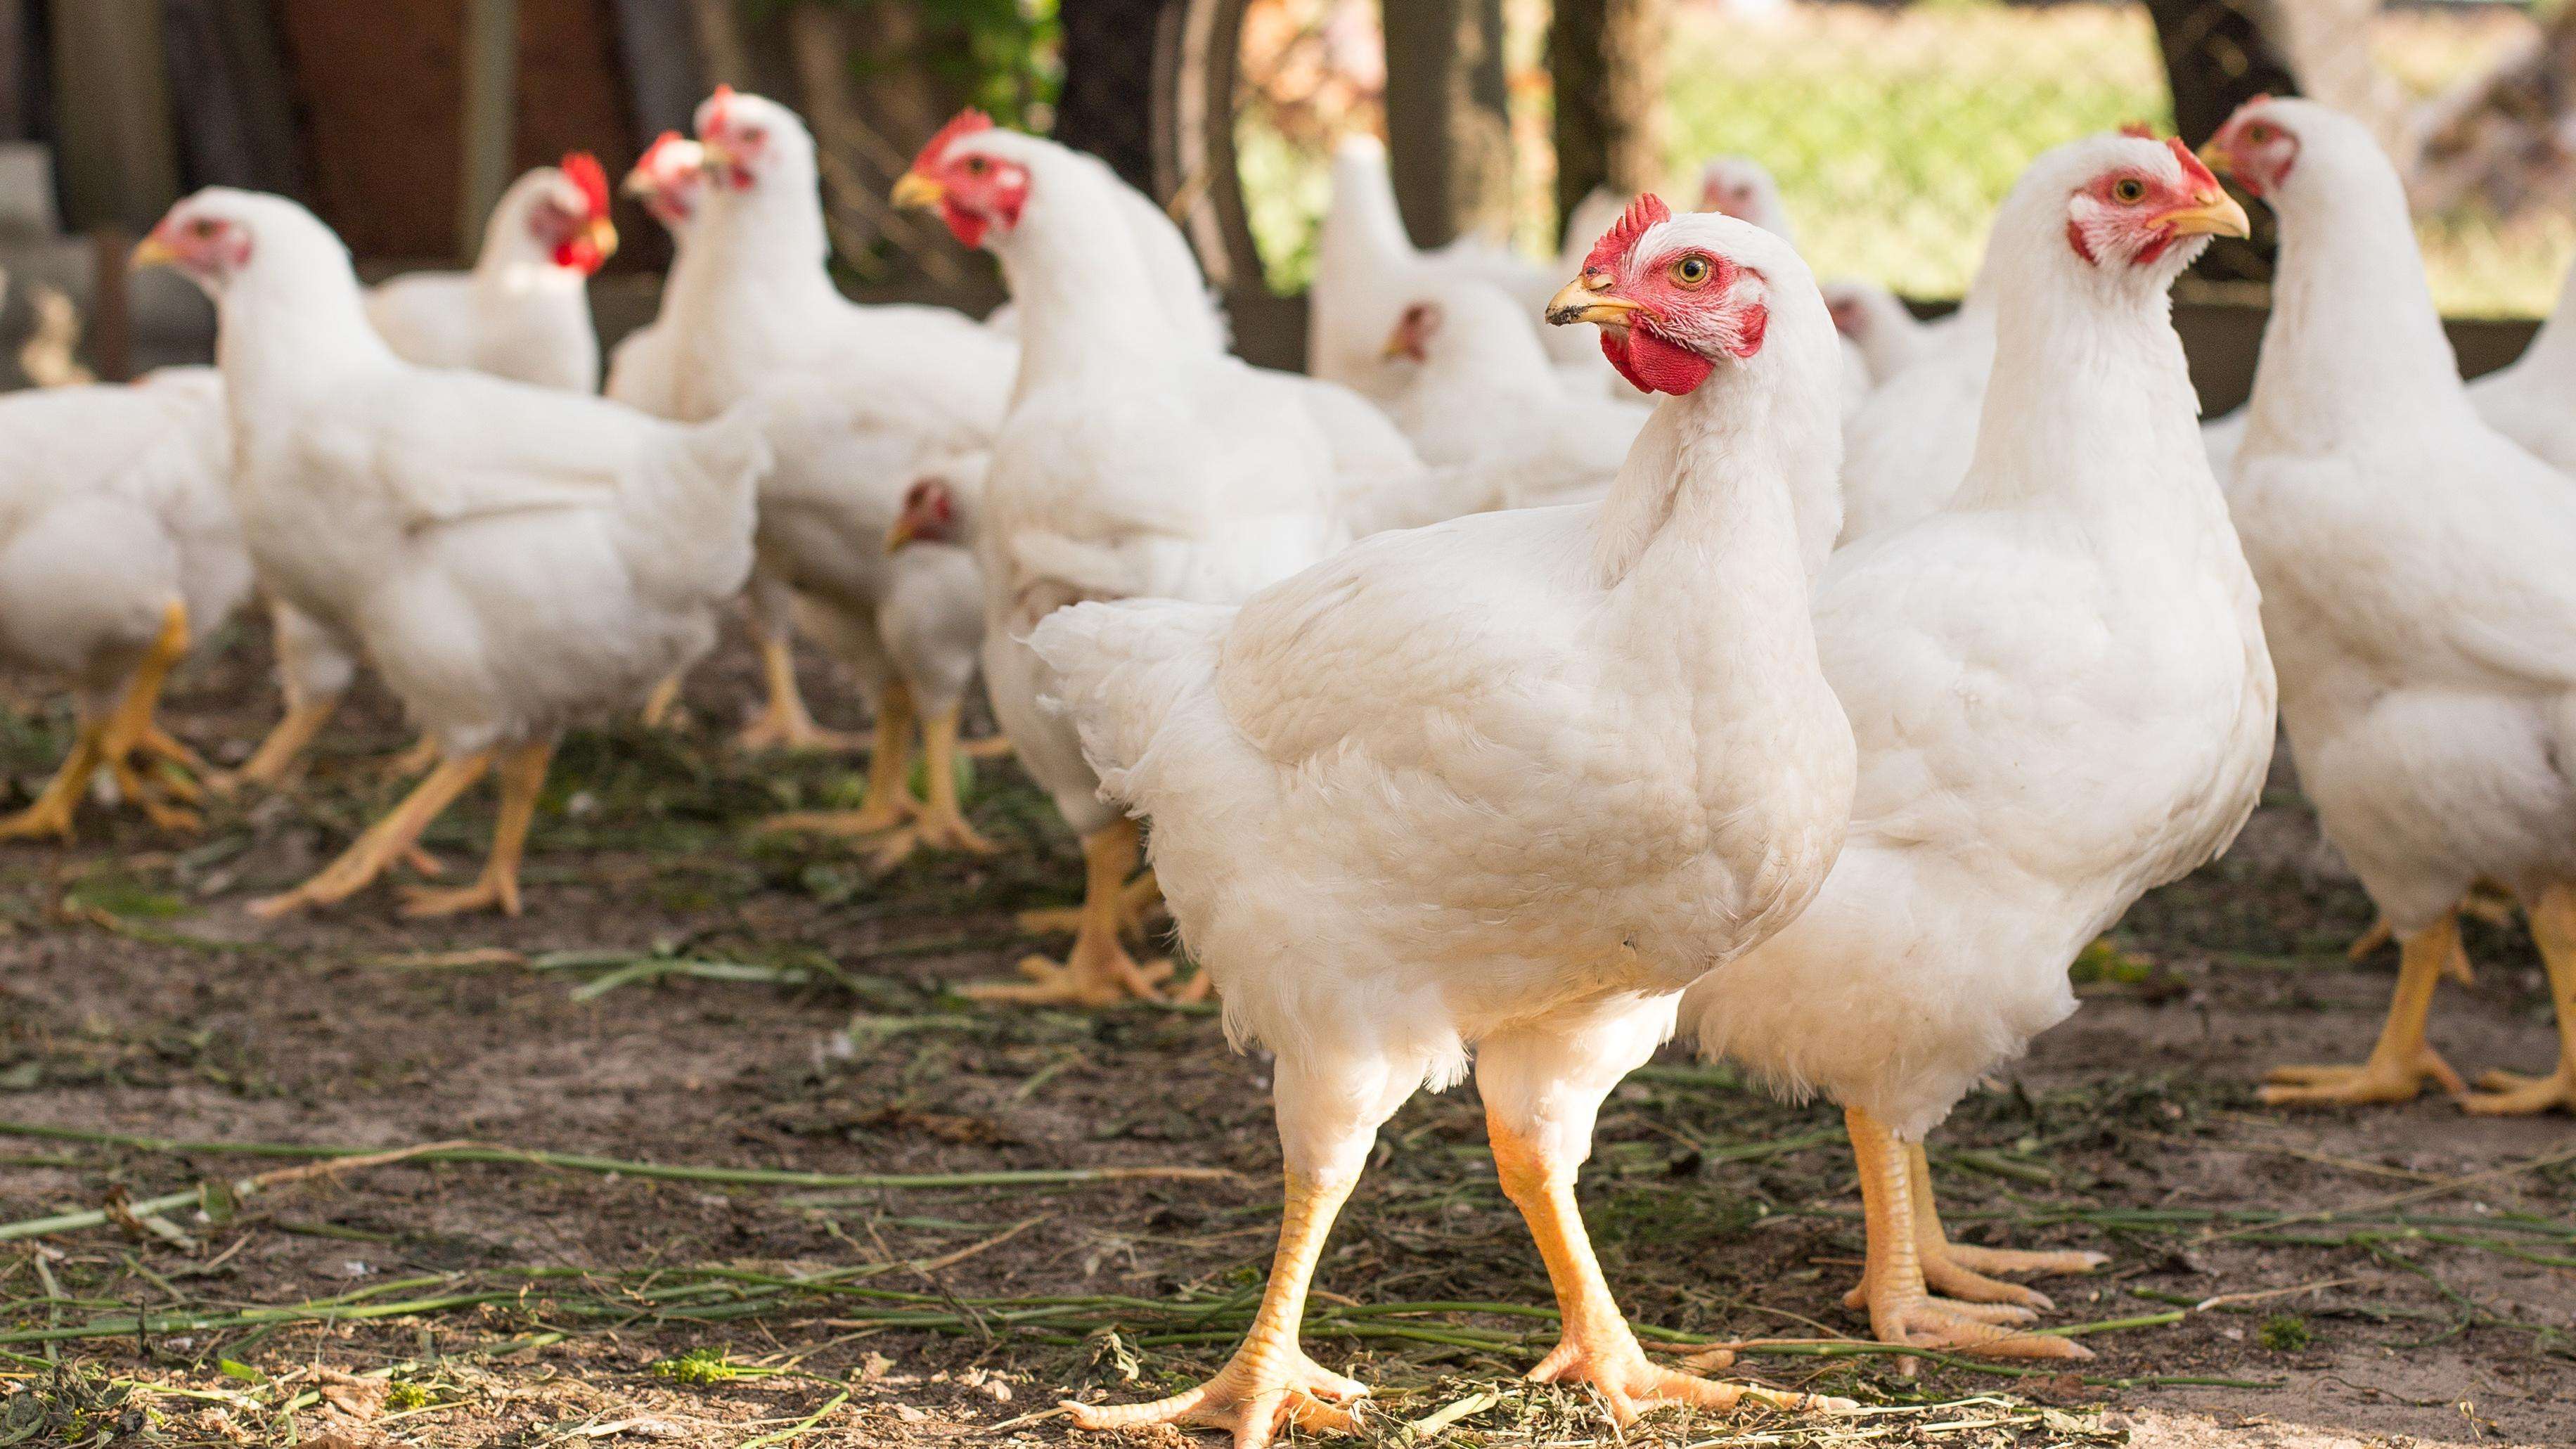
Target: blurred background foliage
[(1893, 129)]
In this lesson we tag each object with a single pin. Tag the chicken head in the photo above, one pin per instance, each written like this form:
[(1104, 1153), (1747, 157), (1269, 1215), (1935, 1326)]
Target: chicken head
[(1668, 312), (975, 193)]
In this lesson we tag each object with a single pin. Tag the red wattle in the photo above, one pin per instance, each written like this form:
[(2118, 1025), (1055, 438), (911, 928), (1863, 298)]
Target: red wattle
[(1652, 364)]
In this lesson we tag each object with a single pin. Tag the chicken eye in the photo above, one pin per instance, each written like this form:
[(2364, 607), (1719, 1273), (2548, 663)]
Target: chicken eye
[(204, 227), (753, 135), (2258, 133), (977, 165), (2129, 191), (1691, 271)]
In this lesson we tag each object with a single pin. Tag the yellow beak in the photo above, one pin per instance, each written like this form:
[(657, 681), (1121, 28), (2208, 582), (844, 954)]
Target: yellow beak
[(713, 155), (2217, 215), (916, 190), (603, 235), (899, 535), (1581, 300), (153, 252), (2213, 158)]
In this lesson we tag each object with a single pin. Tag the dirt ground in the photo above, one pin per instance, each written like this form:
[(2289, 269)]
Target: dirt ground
[(683, 994)]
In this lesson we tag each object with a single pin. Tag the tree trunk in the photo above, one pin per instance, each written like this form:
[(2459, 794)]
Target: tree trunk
[(1107, 105), (1448, 117), (1607, 60), (118, 160), (2218, 57)]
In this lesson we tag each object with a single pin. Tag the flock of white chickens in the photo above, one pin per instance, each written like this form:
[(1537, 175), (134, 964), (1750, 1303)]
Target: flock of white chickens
[(1504, 698)]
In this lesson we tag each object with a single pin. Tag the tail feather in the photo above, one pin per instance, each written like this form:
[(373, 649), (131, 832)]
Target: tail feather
[(1122, 671)]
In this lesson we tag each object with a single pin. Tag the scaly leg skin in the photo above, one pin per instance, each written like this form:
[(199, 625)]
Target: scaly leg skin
[(888, 802), (522, 775), (2553, 926), (386, 841), (1097, 971), (1902, 1310), (1598, 1347), (1270, 1383), (937, 824), (1959, 1270), (661, 702), (54, 810), (130, 728), (2402, 1060), (279, 754), (991, 747), (784, 723), (412, 760), (1136, 899)]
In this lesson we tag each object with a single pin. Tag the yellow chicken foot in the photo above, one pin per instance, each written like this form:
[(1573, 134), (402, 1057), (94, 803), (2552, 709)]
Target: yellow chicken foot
[(129, 730), (522, 775), (784, 723), (386, 841), (2400, 1063), (411, 760), (54, 811), (1136, 901), (277, 756), (1598, 1347), (938, 824), (659, 704), (1270, 1383), (1902, 1310), (1097, 971), (1960, 1270), (888, 802), (2553, 926), (991, 747)]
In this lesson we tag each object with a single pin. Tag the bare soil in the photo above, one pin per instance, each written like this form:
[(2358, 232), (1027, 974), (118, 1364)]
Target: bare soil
[(685, 993)]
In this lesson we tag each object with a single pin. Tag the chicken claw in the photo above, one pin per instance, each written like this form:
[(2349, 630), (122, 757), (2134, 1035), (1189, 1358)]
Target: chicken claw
[(1254, 1397), (2402, 1060)]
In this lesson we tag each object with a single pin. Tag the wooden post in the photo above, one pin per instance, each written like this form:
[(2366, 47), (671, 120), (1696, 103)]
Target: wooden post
[(1448, 118), (489, 116), (114, 147), (14, 120), (2217, 57), (1606, 57)]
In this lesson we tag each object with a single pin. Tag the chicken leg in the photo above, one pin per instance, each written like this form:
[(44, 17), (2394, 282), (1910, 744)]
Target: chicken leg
[(784, 723), (937, 824), (1598, 1347), (53, 811), (1894, 1282), (2402, 1060), (1136, 898), (522, 775), (1097, 971), (1270, 1383), (2553, 926), (277, 755), (1959, 1270), (111, 744), (384, 842), (664, 699), (888, 802)]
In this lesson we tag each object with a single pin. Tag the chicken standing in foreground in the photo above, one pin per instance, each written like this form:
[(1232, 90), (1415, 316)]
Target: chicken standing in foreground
[(2415, 581), (2061, 697), (524, 311), (1598, 759), (511, 559), (119, 549)]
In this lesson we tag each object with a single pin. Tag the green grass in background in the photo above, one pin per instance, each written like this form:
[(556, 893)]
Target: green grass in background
[(1894, 133)]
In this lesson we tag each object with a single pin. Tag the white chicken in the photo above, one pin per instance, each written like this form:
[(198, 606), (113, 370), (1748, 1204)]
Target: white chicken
[(1597, 759), (119, 550), (1484, 400), (1135, 462), (524, 311), (1367, 269), (1743, 188), (2061, 698), (668, 181), (511, 559), (1890, 337), (2413, 563), (862, 399)]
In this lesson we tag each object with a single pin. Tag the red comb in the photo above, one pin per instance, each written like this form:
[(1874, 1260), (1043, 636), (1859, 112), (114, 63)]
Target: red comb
[(2137, 130), (965, 123), (2192, 169), (1646, 211), (584, 170)]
